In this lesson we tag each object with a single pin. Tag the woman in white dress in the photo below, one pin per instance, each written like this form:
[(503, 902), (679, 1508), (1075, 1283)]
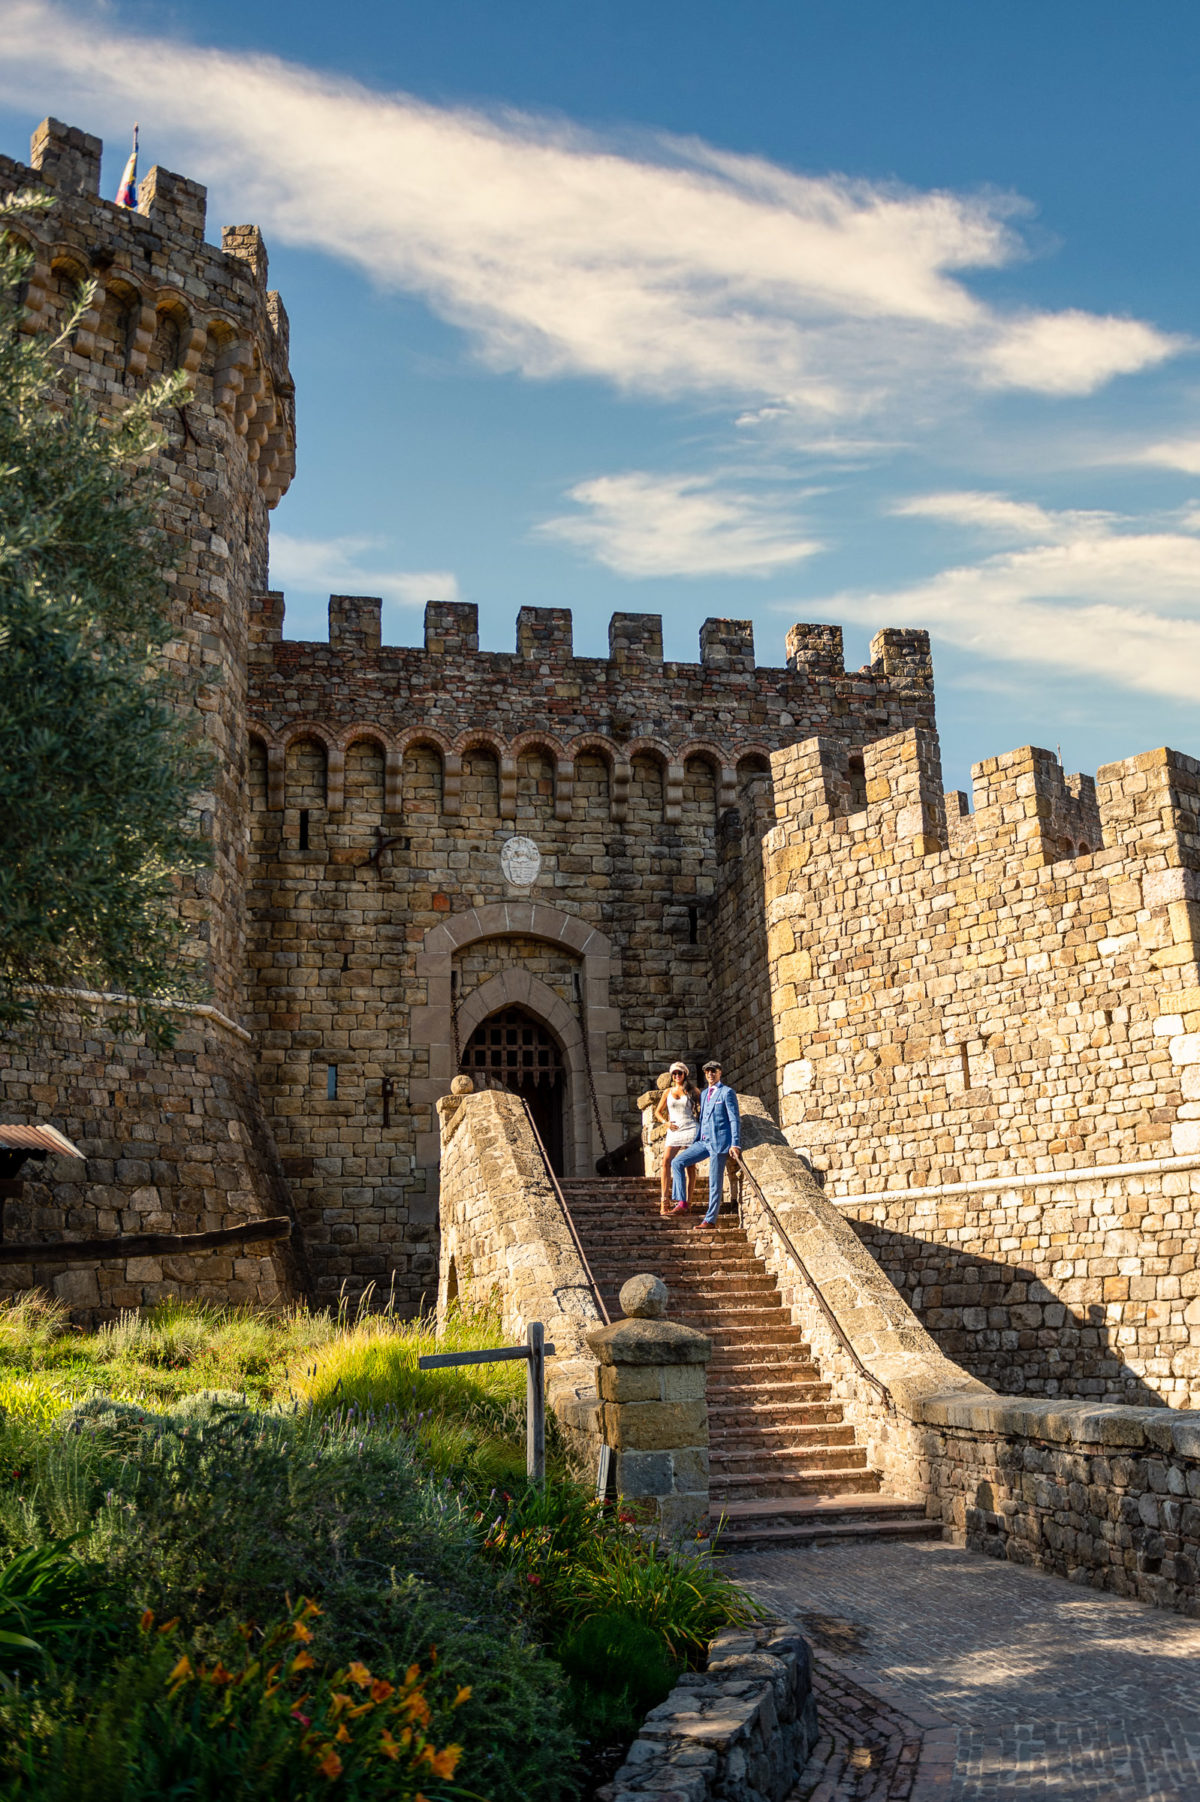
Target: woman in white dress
[(679, 1108)]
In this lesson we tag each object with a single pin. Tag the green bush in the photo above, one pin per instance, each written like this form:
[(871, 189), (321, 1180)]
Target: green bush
[(225, 1513), (624, 1657)]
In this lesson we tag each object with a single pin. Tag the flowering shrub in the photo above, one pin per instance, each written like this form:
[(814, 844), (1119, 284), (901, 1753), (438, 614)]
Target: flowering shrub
[(254, 1719), (356, 1731)]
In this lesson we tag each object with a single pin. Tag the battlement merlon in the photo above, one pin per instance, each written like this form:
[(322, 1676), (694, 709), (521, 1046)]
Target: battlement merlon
[(901, 659), (152, 268)]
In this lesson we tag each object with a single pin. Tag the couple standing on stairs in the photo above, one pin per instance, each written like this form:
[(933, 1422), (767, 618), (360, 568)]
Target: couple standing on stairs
[(699, 1126)]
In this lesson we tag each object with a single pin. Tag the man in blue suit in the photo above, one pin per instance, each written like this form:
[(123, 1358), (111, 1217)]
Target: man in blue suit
[(719, 1138)]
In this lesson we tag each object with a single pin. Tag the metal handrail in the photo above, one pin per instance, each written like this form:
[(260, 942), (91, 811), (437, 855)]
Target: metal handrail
[(571, 1227), (831, 1319)]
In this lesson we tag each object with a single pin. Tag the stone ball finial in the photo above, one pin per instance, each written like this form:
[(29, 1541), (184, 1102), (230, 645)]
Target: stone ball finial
[(644, 1298), (663, 1081), (462, 1085)]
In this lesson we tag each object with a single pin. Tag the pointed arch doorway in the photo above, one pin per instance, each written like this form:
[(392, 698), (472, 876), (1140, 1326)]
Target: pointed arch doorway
[(514, 1050)]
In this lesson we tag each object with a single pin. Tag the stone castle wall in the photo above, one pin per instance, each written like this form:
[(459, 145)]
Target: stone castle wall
[(165, 300), (620, 771), (987, 1032)]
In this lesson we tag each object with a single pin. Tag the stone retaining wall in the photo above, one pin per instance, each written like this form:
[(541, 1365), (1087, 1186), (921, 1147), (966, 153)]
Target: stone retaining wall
[(1105, 1495), (504, 1237), (740, 1731)]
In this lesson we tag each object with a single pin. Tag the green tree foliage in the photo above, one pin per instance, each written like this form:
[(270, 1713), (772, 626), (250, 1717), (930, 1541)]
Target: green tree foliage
[(97, 761)]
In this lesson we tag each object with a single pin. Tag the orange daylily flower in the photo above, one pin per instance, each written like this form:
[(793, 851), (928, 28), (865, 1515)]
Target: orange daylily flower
[(301, 1632), (358, 1673), (381, 1689), (338, 1700), (442, 1763), (342, 1735), (183, 1670), (388, 1746), (303, 1661), (417, 1708), (219, 1674), (147, 1620), (331, 1765), (412, 1675), (464, 1695)]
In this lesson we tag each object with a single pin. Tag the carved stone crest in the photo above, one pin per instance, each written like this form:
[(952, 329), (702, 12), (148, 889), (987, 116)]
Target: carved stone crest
[(520, 861)]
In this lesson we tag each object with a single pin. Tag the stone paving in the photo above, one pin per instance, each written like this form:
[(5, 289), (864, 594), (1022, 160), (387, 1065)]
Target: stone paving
[(944, 1676)]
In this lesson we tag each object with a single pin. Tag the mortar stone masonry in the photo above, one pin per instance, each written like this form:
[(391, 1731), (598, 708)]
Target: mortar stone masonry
[(977, 1022)]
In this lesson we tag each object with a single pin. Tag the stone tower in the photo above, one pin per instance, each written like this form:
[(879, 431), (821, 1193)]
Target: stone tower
[(177, 1141)]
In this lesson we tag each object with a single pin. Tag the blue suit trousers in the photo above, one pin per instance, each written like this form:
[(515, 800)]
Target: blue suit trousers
[(695, 1153)]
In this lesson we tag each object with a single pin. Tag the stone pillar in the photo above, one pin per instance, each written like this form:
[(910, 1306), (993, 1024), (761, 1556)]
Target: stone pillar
[(651, 1379)]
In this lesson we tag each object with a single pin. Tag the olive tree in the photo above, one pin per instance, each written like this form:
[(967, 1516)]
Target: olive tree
[(98, 760)]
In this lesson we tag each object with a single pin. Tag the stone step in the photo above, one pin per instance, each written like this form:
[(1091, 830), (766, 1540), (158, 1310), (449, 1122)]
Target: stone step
[(764, 1461), (768, 1370), (778, 1441), (808, 1521), (732, 1314), (829, 1480), (769, 1415)]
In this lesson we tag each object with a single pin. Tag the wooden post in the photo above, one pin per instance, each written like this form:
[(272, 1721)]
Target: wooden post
[(535, 1351), (535, 1409)]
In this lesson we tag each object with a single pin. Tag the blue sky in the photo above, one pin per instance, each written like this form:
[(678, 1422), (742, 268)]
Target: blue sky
[(856, 311)]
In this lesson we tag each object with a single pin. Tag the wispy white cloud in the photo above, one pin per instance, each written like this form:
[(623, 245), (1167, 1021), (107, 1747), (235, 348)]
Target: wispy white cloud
[(1084, 593), (336, 566), (998, 515), (668, 269), (1173, 453), (1071, 352), (640, 524)]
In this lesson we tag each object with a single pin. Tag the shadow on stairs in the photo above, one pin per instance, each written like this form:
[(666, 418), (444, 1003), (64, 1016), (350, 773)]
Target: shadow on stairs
[(786, 1468)]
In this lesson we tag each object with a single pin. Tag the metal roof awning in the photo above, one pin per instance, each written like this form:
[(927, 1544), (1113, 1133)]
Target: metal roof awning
[(37, 1139)]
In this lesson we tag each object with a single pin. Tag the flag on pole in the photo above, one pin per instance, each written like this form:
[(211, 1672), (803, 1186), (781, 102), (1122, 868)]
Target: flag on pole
[(127, 192)]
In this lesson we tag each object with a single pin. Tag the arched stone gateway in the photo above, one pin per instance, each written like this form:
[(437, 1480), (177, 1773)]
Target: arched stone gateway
[(582, 1032)]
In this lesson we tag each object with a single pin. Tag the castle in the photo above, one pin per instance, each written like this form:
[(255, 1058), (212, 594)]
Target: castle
[(980, 1024)]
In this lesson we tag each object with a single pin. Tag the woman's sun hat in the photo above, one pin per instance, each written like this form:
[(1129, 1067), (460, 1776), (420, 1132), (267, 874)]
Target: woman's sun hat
[(681, 1068)]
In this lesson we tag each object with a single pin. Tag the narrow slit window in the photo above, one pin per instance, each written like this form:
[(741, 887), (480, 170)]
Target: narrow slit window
[(965, 1060), (304, 828), (331, 1082)]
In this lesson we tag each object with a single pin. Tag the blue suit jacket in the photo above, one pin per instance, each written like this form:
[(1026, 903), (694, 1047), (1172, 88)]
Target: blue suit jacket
[(720, 1122)]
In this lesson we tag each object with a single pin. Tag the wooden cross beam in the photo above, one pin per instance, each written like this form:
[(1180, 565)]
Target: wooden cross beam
[(535, 1351)]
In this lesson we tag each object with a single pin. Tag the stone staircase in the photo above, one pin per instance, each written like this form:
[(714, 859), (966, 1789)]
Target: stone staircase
[(785, 1466)]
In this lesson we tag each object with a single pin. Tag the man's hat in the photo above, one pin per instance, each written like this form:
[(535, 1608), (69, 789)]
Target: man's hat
[(714, 1063)]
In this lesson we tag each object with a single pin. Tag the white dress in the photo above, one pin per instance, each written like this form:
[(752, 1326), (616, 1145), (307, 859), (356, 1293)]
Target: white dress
[(683, 1124)]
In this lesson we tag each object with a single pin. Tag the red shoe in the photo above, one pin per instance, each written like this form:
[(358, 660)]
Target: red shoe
[(708, 1226)]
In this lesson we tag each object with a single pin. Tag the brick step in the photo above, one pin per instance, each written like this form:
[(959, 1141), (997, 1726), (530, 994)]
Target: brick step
[(827, 1480)]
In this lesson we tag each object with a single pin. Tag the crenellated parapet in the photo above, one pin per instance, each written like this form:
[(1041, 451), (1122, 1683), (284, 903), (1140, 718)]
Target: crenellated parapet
[(974, 993), (632, 706), (164, 299)]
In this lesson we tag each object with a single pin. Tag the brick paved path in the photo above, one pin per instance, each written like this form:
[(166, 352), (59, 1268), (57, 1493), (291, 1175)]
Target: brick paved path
[(943, 1676)]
